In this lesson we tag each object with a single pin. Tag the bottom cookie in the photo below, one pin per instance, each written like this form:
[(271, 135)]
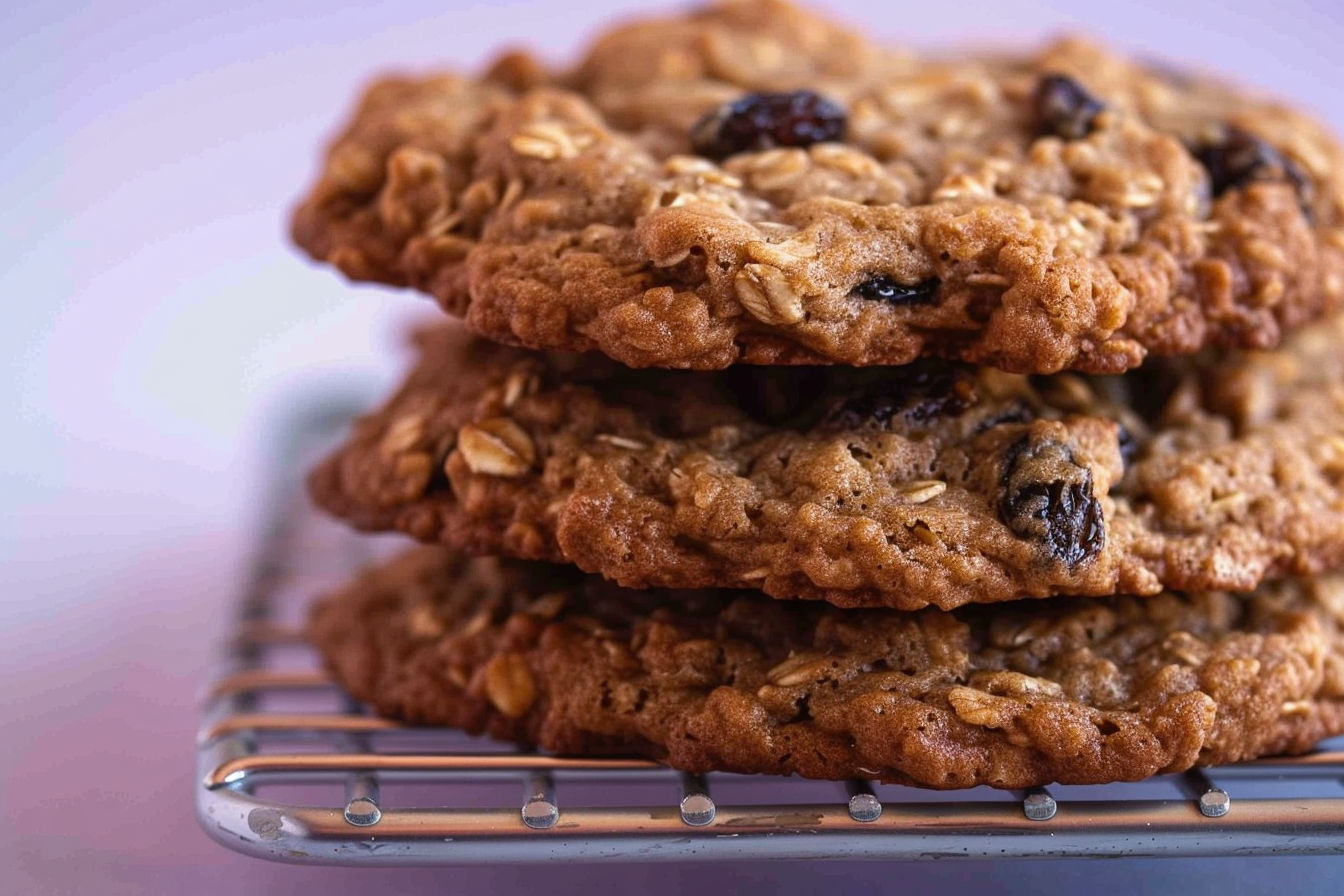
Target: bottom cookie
[(1071, 690)]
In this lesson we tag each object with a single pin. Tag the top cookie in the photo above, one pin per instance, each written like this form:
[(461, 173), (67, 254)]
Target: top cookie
[(749, 183)]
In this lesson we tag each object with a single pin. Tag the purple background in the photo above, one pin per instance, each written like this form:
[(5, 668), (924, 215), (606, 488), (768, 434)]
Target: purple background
[(153, 321)]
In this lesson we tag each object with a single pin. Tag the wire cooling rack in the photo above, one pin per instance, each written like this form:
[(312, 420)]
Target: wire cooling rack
[(291, 769)]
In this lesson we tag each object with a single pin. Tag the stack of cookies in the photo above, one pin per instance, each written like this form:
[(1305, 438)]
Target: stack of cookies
[(844, 412)]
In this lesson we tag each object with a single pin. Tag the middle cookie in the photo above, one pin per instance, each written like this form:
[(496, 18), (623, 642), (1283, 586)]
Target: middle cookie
[(903, 487)]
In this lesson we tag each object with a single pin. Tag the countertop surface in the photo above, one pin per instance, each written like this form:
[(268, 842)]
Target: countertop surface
[(155, 326)]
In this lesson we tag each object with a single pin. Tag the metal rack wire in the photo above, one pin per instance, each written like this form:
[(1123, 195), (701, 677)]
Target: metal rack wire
[(291, 769)]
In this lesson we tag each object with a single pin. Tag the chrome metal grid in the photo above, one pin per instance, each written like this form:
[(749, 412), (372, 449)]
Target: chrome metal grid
[(293, 770)]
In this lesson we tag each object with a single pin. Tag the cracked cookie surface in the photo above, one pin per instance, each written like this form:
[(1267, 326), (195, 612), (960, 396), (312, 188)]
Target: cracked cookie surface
[(750, 183), (1073, 690), (934, 483)]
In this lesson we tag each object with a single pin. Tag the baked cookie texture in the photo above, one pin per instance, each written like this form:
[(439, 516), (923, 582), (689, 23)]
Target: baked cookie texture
[(751, 183), (929, 484), (1078, 691)]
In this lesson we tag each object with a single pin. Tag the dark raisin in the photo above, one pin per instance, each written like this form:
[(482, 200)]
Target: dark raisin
[(761, 121), (1240, 158), (1064, 108), (1047, 496), (935, 407), (1129, 446), (881, 288), (874, 409), (918, 393), (1016, 412)]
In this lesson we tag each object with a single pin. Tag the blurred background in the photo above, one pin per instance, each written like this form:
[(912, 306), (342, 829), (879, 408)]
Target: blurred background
[(155, 327)]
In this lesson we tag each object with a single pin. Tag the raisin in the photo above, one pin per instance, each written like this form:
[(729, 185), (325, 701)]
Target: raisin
[(880, 409), (761, 121), (1064, 108), (918, 393), (1240, 158), (935, 407), (881, 288), (1047, 496), (1015, 412)]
